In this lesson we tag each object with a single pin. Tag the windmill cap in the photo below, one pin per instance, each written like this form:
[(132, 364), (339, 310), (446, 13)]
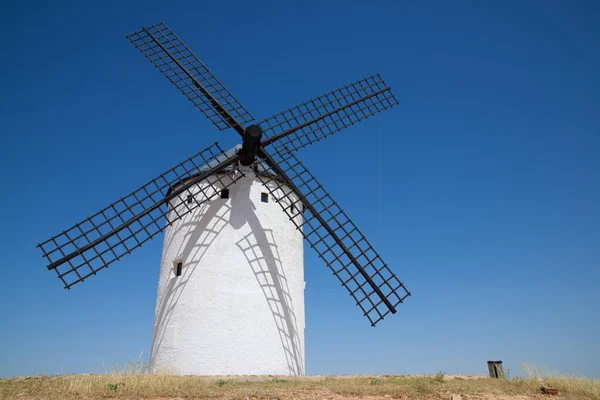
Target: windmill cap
[(261, 168)]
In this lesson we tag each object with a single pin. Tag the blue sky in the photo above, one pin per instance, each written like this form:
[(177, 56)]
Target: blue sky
[(489, 178)]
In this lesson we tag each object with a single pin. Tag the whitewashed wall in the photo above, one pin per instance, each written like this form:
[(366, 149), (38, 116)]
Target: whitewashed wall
[(238, 307)]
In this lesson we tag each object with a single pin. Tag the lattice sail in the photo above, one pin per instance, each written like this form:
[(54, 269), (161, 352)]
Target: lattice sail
[(346, 259), (92, 244), (318, 118), (177, 62)]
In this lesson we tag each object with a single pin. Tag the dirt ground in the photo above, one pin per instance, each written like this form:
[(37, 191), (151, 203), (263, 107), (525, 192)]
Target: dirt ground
[(168, 387)]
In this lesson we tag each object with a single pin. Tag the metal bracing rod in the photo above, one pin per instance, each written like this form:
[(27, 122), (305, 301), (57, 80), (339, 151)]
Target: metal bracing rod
[(228, 117), (267, 157), (166, 199), (288, 132)]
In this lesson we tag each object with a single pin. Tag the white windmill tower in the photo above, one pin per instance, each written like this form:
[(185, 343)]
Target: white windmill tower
[(231, 287)]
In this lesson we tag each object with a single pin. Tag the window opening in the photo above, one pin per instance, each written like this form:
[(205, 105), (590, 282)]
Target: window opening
[(225, 193), (178, 267), (264, 197), (190, 198)]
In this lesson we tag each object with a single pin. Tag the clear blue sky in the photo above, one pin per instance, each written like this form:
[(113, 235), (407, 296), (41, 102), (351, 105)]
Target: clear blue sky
[(490, 171)]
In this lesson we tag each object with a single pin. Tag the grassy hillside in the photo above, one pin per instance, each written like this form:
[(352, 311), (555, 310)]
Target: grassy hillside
[(147, 386)]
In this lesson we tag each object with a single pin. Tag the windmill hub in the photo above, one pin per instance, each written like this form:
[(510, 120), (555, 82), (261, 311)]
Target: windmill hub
[(250, 145)]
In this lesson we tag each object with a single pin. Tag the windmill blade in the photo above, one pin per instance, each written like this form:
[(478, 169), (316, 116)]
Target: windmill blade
[(105, 237), (318, 118), (335, 238), (177, 62)]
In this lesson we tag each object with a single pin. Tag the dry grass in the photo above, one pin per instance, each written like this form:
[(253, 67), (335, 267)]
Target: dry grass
[(579, 387), (132, 385)]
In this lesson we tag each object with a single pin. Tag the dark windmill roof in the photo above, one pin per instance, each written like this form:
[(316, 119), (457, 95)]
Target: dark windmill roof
[(260, 168)]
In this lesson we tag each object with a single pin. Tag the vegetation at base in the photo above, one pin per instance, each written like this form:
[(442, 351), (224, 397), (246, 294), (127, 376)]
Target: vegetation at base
[(144, 385), (114, 386), (439, 377)]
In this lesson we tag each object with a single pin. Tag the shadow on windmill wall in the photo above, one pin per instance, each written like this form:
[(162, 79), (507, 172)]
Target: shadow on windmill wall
[(260, 250), (208, 224)]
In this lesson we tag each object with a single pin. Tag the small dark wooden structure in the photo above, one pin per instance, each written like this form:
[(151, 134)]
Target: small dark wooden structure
[(495, 369)]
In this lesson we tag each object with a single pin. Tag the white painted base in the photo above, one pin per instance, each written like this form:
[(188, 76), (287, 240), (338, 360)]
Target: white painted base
[(238, 306)]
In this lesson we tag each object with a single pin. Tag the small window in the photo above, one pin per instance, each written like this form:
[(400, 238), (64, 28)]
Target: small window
[(225, 193), (293, 208), (190, 198), (264, 197), (178, 267)]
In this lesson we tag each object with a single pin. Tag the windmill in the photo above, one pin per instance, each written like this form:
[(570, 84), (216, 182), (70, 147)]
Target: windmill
[(231, 286)]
